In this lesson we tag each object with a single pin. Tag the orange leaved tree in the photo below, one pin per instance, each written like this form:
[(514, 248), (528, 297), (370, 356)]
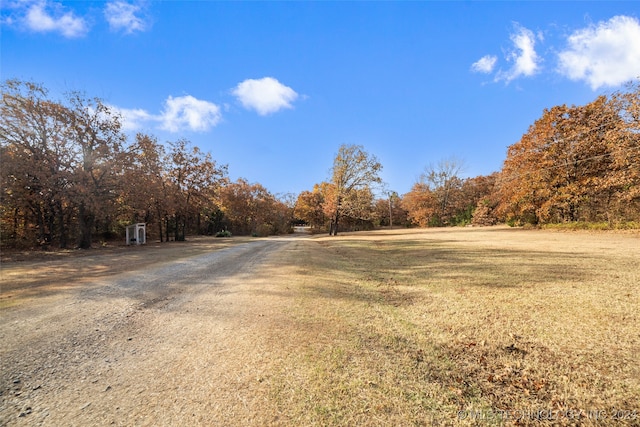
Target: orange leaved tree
[(354, 171)]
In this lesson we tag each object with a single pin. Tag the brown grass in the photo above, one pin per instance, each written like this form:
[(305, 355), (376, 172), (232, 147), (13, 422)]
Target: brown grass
[(466, 326), (463, 326)]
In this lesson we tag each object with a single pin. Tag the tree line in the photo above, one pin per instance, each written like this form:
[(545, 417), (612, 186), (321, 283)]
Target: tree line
[(574, 164), (70, 175), (348, 200), (578, 163)]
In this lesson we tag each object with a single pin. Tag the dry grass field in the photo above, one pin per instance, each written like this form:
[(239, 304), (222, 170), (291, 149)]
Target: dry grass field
[(464, 326)]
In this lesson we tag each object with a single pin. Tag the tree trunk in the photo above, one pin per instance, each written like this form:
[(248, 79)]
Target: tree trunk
[(62, 225), (159, 213), (16, 215), (334, 224), (50, 223), (86, 220), (181, 225), (37, 212), (336, 218)]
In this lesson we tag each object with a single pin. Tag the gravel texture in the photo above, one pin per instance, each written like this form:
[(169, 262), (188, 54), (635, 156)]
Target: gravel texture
[(179, 343)]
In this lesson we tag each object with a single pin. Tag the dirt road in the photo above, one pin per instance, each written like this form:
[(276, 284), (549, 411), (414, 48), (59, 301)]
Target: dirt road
[(184, 342)]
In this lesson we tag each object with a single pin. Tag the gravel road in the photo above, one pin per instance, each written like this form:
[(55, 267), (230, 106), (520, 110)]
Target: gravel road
[(183, 343)]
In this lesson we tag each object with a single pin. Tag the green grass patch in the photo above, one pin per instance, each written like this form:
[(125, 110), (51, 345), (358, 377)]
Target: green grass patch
[(593, 226)]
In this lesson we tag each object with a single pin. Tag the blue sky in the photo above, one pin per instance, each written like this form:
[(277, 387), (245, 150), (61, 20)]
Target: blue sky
[(274, 88)]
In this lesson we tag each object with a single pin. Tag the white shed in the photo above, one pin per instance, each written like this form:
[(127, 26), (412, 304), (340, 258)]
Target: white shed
[(137, 234)]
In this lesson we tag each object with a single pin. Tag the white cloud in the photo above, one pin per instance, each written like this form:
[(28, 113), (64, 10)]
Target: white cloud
[(49, 17), (525, 59), (133, 119), (485, 64), (187, 112), (182, 113), (607, 54), (265, 96), (122, 16)]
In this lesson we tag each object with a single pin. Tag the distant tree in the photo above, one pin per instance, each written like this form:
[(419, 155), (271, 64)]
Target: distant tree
[(195, 179), (388, 211), (286, 211), (400, 215), (436, 198), (97, 161), (251, 209), (445, 183), (358, 209), (37, 164), (482, 191), (146, 192), (65, 161), (483, 214), (576, 163), (354, 172), (474, 191), (421, 205), (67, 169), (524, 173), (309, 207), (623, 183)]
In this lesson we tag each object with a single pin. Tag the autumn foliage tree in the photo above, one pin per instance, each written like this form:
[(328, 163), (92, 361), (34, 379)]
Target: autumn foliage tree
[(441, 197), (354, 173), (309, 207), (389, 211), (146, 193), (483, 191), (69, 173), (623, 183), (62, 163), (97, 160), (577, 163), (435, 199), (194, 179), (36, 165), (252, 209)]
